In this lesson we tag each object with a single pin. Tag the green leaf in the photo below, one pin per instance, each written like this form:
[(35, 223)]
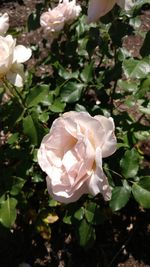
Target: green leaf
[(90, 212), (13, 138), (134, 68), (144, 87), (141, 195), (145, 182), (120, 197), (8, 212), (30, 129), (86, 234), (79, 214), (37, 94), (87, 73), (94, 213), (145, 110), (135, 22), (57, 106), (44, 117), (130, 163), (17, 185), (71, 92), (66, 74), (128, 86)]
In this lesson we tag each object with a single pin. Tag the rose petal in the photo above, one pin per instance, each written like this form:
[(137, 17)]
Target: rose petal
[(98, 182), (21, 54), (109, 145), (98, 8), (60, 193), (4, 23)]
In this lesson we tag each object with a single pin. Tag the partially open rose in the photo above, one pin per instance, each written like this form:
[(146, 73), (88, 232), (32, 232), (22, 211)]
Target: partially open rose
[(98, 8), (65, 12), (11, 57), (69, 10), (71, 155), (52, 20)]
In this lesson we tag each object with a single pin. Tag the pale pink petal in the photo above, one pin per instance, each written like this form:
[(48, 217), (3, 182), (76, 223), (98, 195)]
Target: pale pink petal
[(98, 182), (21, 54), (61, 194), (109, 145), (98, 8), (69, 160), (4, 23)]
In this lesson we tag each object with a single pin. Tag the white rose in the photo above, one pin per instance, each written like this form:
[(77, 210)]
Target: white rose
[(99, 8), (11, 57), (65, 12), (71, 155), (69, 9), (4, 23), (52, 20)]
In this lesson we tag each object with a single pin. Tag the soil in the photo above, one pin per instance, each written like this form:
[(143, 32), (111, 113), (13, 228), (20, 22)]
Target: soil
[(124, 241)]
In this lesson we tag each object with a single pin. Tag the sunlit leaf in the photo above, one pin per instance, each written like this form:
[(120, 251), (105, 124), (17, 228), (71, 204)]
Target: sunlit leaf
[(87, 73), (37, 94), (79, 214), (130, 163), (141, 195), (136, 68), (51, 218), (8, 212), (71, 92)]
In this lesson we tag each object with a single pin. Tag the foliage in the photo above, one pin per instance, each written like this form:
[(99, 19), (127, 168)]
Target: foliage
[(91, 71)]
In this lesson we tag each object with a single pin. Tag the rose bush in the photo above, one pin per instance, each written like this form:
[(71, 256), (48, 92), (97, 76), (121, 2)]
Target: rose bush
[(98, 8), (11, 57), (71, 155), (4, 23)]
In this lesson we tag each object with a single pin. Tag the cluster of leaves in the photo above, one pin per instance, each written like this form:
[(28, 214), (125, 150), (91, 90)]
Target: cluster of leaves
[(91, 71)]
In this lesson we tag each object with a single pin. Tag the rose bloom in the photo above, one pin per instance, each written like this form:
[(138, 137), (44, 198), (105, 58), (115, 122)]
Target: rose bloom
[(98, 8), (69, 10), (11, 57), (54, 19), (71, 155), (4, 23)]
